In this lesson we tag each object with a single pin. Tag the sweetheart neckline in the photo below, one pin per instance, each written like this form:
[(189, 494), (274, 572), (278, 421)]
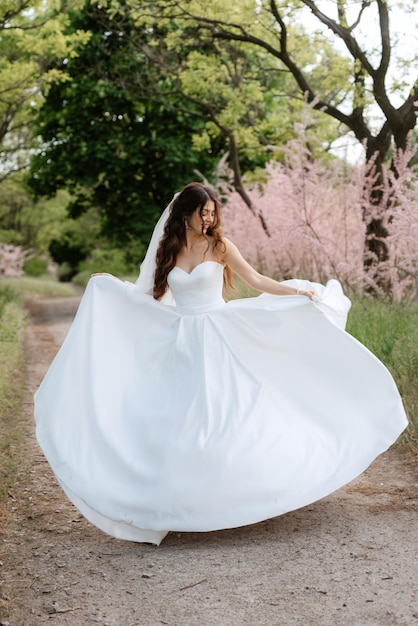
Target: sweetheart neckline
[(196, 266)]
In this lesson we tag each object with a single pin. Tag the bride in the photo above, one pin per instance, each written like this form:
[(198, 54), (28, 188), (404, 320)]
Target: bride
[(169, 409), (193, 236)]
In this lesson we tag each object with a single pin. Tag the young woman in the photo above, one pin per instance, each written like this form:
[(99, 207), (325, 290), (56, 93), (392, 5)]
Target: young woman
[(193, 236), (168, 408)]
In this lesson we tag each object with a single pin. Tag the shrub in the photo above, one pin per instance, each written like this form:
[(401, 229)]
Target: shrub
[(6, 295), (110, 260), (35, 266)]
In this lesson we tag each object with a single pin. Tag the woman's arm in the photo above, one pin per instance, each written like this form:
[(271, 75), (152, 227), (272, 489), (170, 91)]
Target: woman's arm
[(249, 275)]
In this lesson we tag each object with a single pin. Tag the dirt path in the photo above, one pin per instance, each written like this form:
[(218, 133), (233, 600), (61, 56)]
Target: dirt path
[(350, 559)]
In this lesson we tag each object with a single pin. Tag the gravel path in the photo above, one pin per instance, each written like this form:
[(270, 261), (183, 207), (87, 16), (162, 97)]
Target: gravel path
[(350, 559)]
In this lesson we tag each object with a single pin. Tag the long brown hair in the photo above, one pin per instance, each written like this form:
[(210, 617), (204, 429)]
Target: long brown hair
[(193, 196)]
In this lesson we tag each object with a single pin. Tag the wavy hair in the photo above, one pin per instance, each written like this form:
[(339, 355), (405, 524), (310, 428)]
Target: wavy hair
[(193, 196)]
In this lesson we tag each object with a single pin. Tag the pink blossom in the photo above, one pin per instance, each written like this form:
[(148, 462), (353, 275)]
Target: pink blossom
[(12, 259), (315, 215)]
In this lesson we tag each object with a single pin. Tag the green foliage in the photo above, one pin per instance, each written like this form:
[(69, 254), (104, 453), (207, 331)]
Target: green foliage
[(240, 91), (344, 61), (236, 97), (48, 218), (146, 102), (105, 140), (35, 266), (81, 278), (30, 31), (82, 248), (110, 260), (6, 295), (75, 241), (26, 223), (14, 210), (66, 271), (227, 58)]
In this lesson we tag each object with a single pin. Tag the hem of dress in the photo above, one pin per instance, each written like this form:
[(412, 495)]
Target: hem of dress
[(128, 532), (117, 529)]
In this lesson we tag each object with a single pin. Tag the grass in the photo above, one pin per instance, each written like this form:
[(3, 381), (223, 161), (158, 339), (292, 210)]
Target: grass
[(12, 379), (390, 331), (44, 287)]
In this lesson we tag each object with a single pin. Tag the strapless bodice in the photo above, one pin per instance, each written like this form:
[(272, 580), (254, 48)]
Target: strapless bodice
[(200, 290)]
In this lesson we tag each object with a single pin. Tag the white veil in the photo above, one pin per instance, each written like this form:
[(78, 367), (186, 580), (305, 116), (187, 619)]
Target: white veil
[(145, 280)]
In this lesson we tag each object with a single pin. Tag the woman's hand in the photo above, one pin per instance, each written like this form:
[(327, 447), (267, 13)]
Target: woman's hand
[(308, 293)]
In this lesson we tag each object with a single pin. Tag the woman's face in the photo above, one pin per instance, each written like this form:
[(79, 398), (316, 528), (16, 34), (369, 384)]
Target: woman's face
[(202, 219)]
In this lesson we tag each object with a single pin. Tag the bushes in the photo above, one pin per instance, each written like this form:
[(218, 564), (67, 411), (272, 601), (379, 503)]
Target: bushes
[(6, 295), (109, 260), (35, 266)]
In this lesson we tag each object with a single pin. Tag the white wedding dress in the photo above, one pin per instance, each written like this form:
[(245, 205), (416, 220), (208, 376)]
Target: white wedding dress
[(209, 415)]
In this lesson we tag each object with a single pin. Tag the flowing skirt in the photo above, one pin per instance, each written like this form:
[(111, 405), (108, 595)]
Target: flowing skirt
[(155, 421)]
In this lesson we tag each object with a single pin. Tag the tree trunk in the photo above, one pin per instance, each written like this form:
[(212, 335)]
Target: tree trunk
[(239, 185), (373, 209)]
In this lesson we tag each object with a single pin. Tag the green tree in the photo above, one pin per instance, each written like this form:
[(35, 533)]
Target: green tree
[(191, 103), (222, 86), (113, 149), (235, 89), (30, 31), (26, 223)]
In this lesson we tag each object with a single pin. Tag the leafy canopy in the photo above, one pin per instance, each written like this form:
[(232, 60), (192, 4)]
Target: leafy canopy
[(105, 140), (30, 32)]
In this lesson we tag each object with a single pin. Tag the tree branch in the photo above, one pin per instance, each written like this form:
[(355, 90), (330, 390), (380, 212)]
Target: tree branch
[(344, 33)]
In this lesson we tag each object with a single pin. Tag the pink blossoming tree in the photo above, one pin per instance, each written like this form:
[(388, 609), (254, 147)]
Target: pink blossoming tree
[(12, 259), (316, 215)]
